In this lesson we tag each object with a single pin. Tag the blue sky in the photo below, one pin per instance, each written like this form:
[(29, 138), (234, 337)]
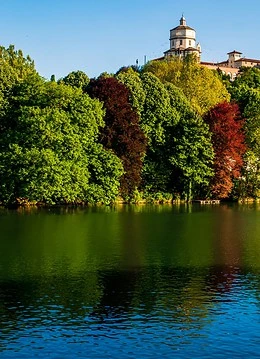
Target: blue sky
[(102, 35)]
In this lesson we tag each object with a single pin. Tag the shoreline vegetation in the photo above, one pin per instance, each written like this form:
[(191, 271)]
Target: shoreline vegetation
[(24, 203), (171, 131)]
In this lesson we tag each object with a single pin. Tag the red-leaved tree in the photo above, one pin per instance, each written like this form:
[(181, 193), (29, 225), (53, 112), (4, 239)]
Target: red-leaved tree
[(229, 146), (122, 132)]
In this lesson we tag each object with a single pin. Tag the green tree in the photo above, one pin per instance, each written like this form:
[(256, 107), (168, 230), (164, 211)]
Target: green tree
[(246, 91), (249, 77), (157, 110), (201, 86), (131, 79), (190, 149), (14, 68), (250, 181), (76, 79), (49, 150), (179, 155)]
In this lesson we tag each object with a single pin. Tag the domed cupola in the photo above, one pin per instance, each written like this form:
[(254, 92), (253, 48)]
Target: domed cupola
[(183, 41), (182, 21)]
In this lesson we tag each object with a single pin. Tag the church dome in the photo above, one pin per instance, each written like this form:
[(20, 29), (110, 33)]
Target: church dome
[(183, 21), (183, 25), (183, 40)]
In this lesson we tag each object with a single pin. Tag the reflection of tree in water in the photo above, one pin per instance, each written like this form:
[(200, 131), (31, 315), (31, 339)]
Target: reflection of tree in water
[(171, 294), (227, 250), (118, 288), (45, 302), (144, 283), (220, 279), (178, 297)]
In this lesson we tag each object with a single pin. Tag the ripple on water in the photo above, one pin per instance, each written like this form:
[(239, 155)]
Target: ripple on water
[(140, 289)]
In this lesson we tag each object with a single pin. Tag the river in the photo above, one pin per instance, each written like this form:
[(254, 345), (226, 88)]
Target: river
[(130, 282)]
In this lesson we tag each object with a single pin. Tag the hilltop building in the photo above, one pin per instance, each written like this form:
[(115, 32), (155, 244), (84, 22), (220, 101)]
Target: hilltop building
[(183, 43)]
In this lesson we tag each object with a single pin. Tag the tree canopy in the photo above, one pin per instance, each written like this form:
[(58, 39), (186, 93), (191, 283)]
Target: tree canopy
[(122, 133), (49, 150), (76, 79), (202, 86), (229, 146), (162, 132)]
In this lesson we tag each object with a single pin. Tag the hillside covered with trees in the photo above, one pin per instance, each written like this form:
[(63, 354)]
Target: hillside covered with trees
[(171, 130)]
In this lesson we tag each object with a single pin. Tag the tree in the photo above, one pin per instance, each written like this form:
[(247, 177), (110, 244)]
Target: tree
[(14, 68), (76, 79), (228, 141), (156, 114), (249, 185), (49, 150), (180, 153), (157, 110), (122, 133), (246, 91), (201, 86), (131, 79), (190, 148), (249, 77)]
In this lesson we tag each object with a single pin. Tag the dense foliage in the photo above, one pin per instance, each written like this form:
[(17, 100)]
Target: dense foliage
[(49, 148), (202, 86), (122, 132), (229, 146), (245, 91), (166, 131), (76, 79)]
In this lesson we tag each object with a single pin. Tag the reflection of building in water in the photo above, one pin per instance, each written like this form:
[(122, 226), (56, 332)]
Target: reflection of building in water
[(183, 43)]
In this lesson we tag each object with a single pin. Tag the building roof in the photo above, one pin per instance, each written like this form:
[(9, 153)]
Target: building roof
[(248, 60), (191, 49), (208, 63), (182, 49), (182, 27), (234, 52), (223, 62), (159, 58)]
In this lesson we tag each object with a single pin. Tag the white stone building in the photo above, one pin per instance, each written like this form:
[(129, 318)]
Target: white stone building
[(183, 41)]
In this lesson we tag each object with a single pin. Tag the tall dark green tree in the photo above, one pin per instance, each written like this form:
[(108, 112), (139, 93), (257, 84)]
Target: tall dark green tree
[(190, 149), (179, 155), (249, 184), (245, 91)]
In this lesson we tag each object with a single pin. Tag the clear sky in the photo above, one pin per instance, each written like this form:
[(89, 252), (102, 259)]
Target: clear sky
[(103, 35)]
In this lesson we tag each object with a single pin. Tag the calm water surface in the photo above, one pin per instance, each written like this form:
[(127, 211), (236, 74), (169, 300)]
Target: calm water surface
[(130, 282)]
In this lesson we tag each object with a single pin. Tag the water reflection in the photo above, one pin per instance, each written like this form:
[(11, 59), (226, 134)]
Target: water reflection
[(130, 282)]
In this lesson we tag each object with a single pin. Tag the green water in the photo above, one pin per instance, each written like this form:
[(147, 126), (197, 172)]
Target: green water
[(130, 282)]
